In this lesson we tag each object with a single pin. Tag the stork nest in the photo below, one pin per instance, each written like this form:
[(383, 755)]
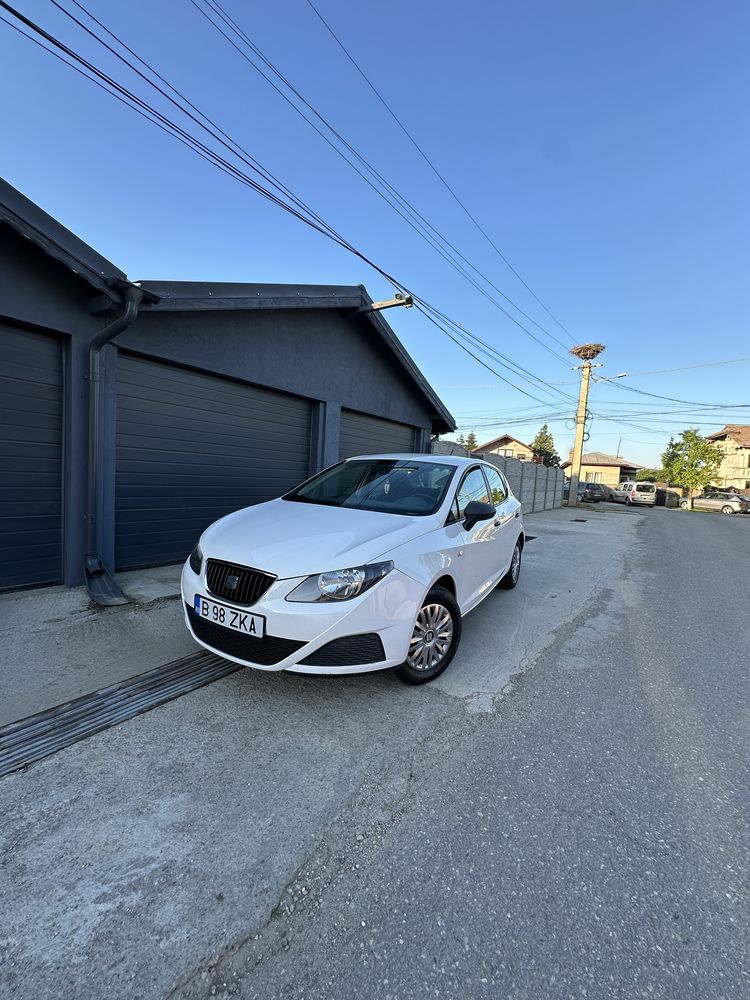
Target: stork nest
[(586, 352)]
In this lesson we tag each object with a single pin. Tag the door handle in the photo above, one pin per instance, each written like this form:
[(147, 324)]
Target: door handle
[(517, 513)]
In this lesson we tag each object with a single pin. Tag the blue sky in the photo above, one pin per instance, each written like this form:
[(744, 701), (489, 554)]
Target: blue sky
[(603, 147)]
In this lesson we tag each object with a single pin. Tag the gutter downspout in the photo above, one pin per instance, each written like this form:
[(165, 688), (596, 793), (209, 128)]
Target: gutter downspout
[(100, 583)]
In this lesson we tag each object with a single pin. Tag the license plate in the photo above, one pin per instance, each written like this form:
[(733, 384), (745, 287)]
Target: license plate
[(222, 614)]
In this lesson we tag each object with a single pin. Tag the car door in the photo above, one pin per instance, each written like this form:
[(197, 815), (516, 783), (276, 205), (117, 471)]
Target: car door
[(705, 502), (479, 552), (505, 522)]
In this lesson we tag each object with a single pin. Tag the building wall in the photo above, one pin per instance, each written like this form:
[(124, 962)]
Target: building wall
[(512, 451), (735, 466), (38, 291), (607, 475), (317, 353), (334, 359)]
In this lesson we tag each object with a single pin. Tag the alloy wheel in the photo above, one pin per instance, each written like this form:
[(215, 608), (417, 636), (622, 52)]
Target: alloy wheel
[(515, 564), (431, 638)]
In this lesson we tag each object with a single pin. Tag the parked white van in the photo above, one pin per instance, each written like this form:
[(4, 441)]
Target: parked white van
[(643, 494)]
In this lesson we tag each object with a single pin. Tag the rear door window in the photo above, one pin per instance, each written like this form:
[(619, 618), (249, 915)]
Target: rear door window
[(497, 485), (645, 488)]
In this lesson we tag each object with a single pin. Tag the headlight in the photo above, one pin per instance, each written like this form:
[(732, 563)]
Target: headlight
[(340, 584), (196, 560)]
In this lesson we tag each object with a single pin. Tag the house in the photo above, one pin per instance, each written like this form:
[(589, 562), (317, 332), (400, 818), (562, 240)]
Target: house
[(598, 467), (133, 414), (734, 444), (508, 447)]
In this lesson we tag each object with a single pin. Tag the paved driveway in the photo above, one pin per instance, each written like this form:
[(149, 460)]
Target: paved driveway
[(148, 858)]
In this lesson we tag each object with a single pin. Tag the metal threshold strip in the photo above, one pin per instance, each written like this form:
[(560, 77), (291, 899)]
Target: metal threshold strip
[(38, 736)]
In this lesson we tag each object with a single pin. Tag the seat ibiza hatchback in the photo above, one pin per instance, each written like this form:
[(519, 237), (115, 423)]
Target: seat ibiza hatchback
[(370, 564)]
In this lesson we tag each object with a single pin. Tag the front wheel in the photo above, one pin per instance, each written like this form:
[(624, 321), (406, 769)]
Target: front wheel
[(435, 639), (684, 504), (510, 579)]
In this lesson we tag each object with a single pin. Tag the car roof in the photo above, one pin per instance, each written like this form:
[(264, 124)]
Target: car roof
[(461, 461)]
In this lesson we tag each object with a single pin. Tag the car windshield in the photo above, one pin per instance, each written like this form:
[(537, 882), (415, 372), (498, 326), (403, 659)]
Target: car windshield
[(387, 485)]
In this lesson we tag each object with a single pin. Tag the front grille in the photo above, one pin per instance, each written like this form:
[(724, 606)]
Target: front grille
[(249, 584), (348, 651), (270, 649)]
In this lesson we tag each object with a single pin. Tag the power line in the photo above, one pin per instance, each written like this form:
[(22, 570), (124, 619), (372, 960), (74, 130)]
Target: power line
[(672, 399), (413, 218), (302, 212), (423, 310), (686, 368), (433, 168)]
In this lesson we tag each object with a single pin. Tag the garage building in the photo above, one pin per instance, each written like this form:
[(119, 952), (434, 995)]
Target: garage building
[(134, 414)]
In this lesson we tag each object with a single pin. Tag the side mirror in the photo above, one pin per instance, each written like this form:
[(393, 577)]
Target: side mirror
[(477, 510)]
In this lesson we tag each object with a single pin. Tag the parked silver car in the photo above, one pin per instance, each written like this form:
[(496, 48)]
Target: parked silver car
[(723, 500), (631, 493)]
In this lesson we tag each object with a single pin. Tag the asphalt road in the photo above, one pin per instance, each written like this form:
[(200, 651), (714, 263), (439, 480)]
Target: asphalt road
[(563, 814), (588, 839)]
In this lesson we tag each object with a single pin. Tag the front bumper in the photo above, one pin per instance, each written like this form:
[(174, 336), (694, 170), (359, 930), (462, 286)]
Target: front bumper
[(314, 638)]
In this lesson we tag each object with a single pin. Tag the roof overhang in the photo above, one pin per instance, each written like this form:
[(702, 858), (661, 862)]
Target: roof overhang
[(57, 242)]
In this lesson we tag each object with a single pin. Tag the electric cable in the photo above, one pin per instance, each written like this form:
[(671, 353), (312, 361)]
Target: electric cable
[(434, 169), (416, 220), (152, 114)]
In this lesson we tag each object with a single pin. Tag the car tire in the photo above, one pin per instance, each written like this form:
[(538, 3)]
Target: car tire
[(726, 509), (684, 504), (511, 578), (436, 603)]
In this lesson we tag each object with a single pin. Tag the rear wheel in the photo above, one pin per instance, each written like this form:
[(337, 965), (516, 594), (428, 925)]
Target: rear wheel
[(435, 639), (726, 509), (510, 579)]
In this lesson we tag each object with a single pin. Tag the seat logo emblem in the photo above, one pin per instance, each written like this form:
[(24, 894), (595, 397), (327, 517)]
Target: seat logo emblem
[(232, 581)]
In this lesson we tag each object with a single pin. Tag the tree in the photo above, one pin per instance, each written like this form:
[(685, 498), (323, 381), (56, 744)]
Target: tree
[(650, 475), (691, 461), (544, 445), (462, 440), (471, 440)]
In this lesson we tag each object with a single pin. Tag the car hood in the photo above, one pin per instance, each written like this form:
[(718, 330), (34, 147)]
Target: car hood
[(289, 539)]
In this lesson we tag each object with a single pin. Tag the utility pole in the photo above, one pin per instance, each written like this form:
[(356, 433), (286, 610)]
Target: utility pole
[(587, 353)]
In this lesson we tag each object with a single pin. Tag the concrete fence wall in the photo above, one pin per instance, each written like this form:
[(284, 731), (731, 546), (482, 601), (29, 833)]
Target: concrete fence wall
[(536, 486)]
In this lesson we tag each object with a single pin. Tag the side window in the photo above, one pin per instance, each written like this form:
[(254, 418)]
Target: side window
[(498, 489), (473, 487)]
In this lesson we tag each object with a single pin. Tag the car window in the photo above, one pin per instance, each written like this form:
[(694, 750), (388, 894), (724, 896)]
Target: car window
[(498, 489), (389, 485), (473, 487), (645, 488)]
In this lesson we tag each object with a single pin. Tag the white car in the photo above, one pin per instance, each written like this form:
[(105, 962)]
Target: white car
[(370, 564)]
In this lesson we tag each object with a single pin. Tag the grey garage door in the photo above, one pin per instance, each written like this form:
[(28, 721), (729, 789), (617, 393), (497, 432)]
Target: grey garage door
[(362, 434), (31, 415), (192, 447)]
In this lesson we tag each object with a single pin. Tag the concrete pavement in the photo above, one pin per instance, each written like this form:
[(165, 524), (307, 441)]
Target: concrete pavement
[(55, 646), (147, 859)]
